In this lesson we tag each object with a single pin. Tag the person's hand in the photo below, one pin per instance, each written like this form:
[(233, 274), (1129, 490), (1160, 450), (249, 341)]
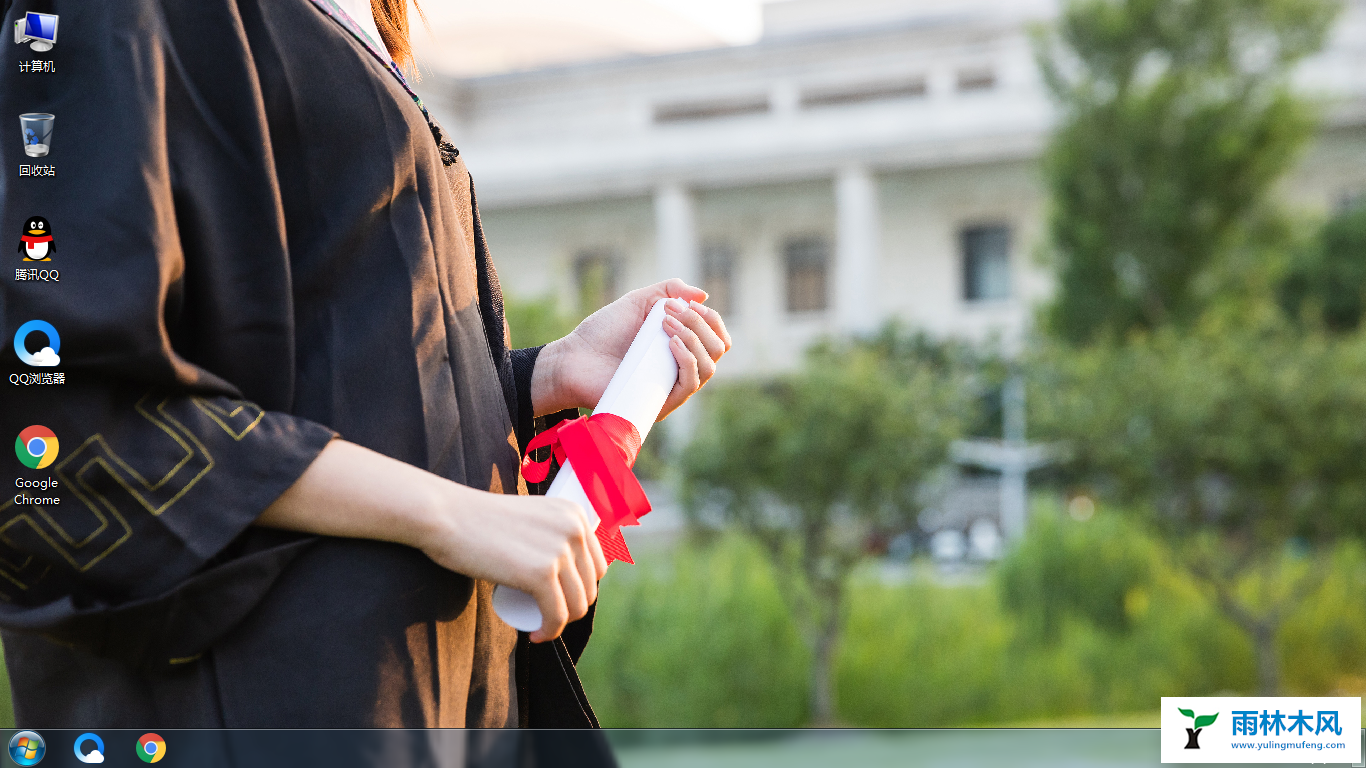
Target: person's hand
[(573, 372), (542, 546)]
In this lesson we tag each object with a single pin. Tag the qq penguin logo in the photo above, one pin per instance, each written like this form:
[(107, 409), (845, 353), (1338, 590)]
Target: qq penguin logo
[(35, 242)]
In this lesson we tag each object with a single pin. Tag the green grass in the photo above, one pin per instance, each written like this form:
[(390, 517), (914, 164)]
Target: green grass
[(6, 702)]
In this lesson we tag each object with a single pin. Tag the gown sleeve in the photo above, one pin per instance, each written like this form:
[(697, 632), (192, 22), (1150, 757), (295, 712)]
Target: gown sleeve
[(175, 319)]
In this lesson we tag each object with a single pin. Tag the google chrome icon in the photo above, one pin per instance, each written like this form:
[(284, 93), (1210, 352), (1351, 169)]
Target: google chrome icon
[(36, 447), (151, 748)]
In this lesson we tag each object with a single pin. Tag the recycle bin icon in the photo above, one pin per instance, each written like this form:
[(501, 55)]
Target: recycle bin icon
[(37, 129)]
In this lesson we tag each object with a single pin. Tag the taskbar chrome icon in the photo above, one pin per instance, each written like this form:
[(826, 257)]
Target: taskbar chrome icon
[(95, 755), (151, 748), (27, 748)]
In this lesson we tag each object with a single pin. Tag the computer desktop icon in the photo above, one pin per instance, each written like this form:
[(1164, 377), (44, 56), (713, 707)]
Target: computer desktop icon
[(39, 30)]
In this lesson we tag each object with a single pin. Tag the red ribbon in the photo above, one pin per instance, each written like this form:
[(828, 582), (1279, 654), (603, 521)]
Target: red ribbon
[(35, 239), (603, 448)]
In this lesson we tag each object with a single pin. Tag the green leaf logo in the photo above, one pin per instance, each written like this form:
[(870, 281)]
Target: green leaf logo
[(1193, 734)]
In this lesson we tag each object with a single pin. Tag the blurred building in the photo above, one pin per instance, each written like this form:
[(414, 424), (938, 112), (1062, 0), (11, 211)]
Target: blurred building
[(469, 38), (864, 159)]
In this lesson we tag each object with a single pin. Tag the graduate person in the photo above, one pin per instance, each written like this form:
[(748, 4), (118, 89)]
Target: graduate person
[(287, 475)]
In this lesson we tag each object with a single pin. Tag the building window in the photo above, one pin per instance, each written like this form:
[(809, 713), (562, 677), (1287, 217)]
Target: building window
[(986, 263), (866, 92), (976, 79), (595, 272), (808, 261), (718, 269), (692, 111)]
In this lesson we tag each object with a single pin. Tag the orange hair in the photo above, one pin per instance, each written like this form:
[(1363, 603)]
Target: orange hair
[(391, 16)]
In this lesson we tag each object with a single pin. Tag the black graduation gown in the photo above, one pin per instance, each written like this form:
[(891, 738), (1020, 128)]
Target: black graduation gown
[(262, 246)]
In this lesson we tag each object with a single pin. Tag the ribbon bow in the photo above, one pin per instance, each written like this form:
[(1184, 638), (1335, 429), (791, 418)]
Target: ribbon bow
[(603, 448)]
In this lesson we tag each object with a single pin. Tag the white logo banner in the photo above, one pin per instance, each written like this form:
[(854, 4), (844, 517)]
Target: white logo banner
[(1261, 729)]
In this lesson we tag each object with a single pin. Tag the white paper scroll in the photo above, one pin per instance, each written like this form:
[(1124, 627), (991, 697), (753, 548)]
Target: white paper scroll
[(636, 393)]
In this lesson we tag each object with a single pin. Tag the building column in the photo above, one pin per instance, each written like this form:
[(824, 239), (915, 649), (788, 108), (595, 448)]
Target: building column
[(677, 255), (1015, 470), (676, 250), (857, 252)]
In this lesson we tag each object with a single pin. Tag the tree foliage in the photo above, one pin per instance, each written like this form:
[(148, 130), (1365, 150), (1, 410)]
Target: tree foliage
[(533, 322), (697, 637), (813, 464), (1254, 434), (1177, 119), (1326, 284), (843, 438), (1098, 570), (1244, 446), (1184, 393)]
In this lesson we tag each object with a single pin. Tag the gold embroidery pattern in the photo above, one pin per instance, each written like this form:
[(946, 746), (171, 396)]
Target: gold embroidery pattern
[(84, 534), (154, 496), (245, 415), (17, 569)]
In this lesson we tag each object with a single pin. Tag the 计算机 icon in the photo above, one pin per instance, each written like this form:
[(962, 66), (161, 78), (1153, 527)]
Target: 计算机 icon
[(35, 242), (39, 30), (37, 132), (46, 356)]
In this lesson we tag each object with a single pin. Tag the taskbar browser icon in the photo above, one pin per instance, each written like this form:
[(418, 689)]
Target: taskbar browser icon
[(151, 748), (95, 755)]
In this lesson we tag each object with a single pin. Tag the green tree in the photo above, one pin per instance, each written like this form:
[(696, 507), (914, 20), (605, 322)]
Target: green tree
[(812, 465), (1097, 570), (1327, 283), (536, 321), (1177, 119), (1242, 446), (696, 637), (980, 369)]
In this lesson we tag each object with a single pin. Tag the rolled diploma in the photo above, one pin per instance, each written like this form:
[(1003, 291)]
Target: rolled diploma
[(636, 393)]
